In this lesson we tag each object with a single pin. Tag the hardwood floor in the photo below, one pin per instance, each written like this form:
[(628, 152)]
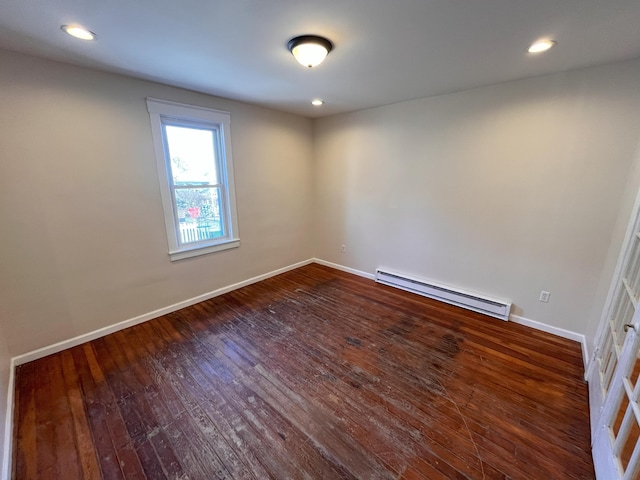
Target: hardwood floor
[(311, 374)]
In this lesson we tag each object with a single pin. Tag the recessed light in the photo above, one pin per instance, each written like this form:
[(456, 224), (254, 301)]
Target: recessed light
[(78, 32), (541, 46), (317, 102)]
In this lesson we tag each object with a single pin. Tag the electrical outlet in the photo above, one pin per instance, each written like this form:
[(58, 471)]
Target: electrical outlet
[(544, 296), (343, 249)]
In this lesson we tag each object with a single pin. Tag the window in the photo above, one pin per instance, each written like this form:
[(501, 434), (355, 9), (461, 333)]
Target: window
[(195, 169)]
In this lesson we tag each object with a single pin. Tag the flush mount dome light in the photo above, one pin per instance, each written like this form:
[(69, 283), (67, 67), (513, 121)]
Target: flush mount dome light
[(541, 46), (78, 32), (309, 50), (316, 102)]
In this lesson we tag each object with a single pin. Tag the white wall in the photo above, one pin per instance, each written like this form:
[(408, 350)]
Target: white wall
[(84, 244), (504, 190)]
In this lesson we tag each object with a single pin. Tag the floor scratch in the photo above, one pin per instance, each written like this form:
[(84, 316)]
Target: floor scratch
[(464, 420)]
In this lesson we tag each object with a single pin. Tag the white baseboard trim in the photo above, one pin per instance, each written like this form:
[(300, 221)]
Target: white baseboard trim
[(585, 357), (360, 273), (5, 473), (101, 332), (561, 332)]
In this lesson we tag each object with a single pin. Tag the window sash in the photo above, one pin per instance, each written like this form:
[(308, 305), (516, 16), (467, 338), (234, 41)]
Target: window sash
[(218, 160)]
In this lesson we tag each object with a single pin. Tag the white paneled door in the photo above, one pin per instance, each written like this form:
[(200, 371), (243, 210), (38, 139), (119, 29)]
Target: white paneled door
[(614, 383)]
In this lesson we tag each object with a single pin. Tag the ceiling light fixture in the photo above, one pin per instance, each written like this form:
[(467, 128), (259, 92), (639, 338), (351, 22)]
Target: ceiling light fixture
[(78, 32), (317, 102), (541, 46), (309, 50)]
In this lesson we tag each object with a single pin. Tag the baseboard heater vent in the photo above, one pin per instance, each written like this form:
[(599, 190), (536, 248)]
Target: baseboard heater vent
[(471, 301)]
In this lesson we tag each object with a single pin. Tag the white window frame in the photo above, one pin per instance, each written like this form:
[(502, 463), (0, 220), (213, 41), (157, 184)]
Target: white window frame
[(172, 113)]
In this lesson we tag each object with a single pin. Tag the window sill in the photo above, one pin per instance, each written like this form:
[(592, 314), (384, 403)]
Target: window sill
[(189, 252)]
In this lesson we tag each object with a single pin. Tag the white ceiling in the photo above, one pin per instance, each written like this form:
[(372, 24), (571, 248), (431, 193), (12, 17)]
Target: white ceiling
[(385, 51)]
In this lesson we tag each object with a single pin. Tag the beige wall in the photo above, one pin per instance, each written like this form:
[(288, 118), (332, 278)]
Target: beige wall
[(504, 190), (84, 244)]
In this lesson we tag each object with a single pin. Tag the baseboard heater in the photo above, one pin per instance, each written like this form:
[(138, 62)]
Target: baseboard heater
[(471, 301)]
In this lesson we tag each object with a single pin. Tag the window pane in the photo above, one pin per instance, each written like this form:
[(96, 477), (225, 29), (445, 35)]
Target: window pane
[(192, 153), (199, 213)]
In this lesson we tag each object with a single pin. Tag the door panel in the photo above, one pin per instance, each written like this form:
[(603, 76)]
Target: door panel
[(616, 449), (614, 383)]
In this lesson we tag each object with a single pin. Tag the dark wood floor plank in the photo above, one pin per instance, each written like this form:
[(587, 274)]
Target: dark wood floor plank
[(378, 425), (242, 403), (56, 451), (214, 448), (311, 374), (87, 457), (103, 422), (354, 416), (25, 438), (243, 395), (284, 347), (150, 462)]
